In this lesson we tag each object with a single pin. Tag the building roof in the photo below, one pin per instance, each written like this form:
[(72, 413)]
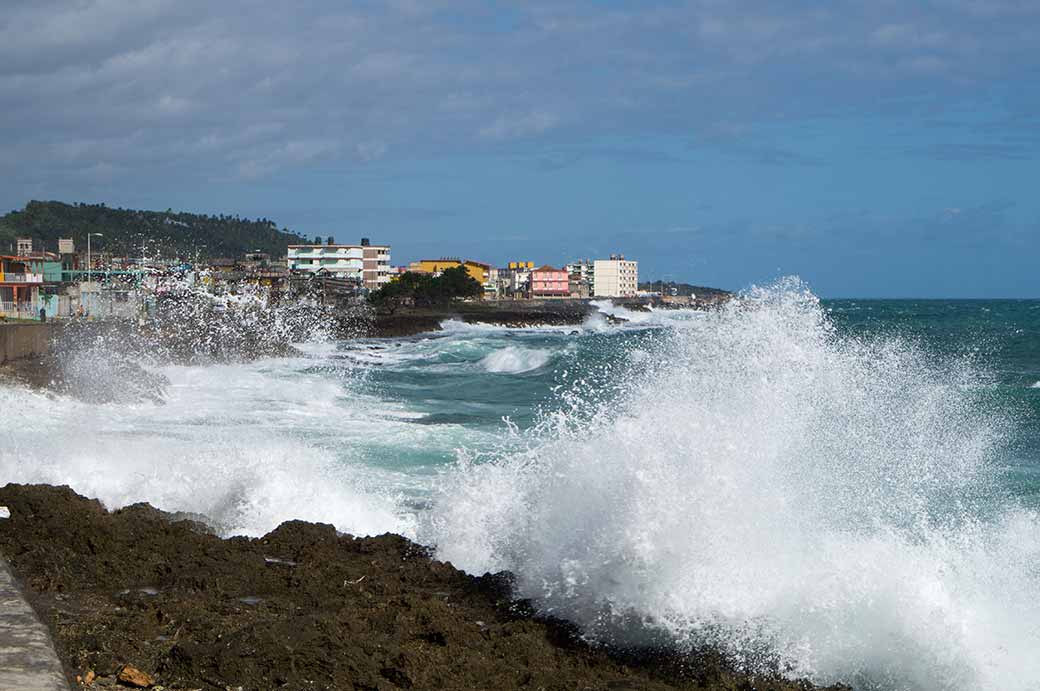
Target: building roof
[(455, 260), (549, 268), (350, 246)]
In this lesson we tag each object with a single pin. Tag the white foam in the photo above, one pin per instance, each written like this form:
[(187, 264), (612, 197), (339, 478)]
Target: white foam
[(1036, 385), (621, 312), (514, 360), (787, 494), (248, 446), (456, 326)]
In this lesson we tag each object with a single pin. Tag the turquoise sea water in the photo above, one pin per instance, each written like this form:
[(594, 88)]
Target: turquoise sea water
[(846, 488), (476, 376)]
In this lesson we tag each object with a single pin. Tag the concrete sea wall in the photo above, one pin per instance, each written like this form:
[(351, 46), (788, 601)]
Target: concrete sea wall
[(19, 341)]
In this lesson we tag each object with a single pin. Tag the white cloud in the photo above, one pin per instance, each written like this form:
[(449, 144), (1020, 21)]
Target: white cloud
[(527, 124), (290, 153), (256, 88)]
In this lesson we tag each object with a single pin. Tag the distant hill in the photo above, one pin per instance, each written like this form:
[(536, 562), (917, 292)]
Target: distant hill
[(684, 289), (165, 233)]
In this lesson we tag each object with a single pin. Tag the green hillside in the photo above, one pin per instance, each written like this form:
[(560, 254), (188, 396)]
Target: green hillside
[(682, 289), (163, 233)]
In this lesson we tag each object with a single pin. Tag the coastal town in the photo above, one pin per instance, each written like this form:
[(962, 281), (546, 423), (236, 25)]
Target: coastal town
[(72, 279)]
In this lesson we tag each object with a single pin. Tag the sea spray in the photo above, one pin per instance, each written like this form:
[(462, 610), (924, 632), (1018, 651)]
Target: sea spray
[(242, 445), (803, 500)]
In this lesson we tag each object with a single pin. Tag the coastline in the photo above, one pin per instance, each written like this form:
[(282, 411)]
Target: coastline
[(301, 607), (412, 321), (118, 345)]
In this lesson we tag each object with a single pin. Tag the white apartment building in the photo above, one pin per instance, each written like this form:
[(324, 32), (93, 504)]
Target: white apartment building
[(366, 263), (615, 277)]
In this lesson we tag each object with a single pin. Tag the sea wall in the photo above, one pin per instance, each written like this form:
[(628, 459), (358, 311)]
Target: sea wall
[(19, 341)]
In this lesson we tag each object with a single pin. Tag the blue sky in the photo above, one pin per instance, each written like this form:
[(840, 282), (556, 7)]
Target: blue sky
[(873, 148)]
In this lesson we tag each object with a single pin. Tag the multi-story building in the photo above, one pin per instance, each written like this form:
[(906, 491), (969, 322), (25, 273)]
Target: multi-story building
[(580, 277), (615, 277), (366, 264), (19, 287), (549, 282), (514, 281)]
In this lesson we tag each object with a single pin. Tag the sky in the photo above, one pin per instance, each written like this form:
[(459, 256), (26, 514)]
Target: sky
[(875, 148)]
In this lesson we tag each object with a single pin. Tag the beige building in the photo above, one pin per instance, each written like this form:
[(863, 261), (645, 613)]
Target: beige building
[(366, 263), (616, 277)]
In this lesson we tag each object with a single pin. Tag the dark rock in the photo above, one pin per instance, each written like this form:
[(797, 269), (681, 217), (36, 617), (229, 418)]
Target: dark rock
[(351, 613)]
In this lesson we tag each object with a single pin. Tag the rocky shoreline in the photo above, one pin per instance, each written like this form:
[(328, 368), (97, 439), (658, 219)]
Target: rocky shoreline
[(411, 321), (414, 321), (141, 597)]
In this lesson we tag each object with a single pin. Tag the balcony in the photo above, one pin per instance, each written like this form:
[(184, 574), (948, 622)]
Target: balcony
[(21, 278)]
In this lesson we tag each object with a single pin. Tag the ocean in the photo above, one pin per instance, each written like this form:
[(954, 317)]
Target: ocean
[(846, 490)]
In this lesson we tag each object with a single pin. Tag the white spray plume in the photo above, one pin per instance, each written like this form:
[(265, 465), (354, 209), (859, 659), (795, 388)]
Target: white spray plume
[(801, 499)]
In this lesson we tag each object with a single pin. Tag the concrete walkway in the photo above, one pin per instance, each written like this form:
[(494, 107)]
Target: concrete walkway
[(27, 659)]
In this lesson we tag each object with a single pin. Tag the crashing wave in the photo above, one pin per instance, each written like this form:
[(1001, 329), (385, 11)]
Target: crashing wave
[(800, 499)]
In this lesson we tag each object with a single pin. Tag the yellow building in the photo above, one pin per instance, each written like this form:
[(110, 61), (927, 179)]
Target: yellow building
[(515, 266), (478, 271)]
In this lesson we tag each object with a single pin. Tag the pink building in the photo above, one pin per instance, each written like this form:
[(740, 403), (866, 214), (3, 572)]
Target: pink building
[(547, 282)]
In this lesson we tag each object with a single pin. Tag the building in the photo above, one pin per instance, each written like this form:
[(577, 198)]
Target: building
[(514, 281), (615, 277), (549, 282), (19, 287), (580, 277), (366, 264), (255, 260), (493, 287), (478, 271)]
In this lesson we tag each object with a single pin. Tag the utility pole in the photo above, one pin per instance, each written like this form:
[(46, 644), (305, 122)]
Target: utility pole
[(90, 266)]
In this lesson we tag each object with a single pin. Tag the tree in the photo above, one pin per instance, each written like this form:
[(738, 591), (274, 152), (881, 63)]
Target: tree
[(424, 290), (457, 283)]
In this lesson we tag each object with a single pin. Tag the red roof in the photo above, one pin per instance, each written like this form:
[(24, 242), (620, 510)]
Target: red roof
[(547, 268)]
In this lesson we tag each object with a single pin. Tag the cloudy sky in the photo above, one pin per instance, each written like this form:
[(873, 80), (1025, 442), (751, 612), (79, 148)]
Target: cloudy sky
[(873, 147)]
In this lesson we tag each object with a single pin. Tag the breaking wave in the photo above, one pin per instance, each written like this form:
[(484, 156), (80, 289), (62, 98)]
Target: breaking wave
[(799, 498), (513, 360)]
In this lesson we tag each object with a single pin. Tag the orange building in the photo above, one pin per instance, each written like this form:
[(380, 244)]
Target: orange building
[(478, 271), (19, 287)]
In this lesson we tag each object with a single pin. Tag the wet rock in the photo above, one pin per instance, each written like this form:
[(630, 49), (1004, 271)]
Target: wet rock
[(131, 676), (376, 613)]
